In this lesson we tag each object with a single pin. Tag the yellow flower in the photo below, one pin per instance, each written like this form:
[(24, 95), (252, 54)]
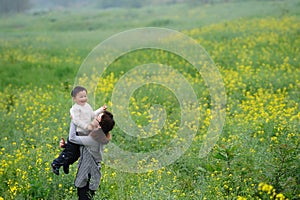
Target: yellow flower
[(241, 198), (280, 196)]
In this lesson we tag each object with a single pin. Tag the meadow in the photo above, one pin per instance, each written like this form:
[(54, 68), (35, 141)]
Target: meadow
[(256, 48)]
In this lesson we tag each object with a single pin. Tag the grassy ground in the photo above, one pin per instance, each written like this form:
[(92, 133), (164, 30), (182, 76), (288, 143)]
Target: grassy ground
[(32, 38), (255, 46)]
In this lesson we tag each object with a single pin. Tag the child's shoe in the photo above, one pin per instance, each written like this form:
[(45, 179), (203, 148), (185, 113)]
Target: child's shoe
[(55, 169), (66, 169)]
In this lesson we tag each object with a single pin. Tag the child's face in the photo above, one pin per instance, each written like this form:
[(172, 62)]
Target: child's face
[(81, 98)]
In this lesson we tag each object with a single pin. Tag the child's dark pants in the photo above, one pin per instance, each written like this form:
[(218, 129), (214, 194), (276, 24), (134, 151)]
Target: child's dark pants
[(68, 156)]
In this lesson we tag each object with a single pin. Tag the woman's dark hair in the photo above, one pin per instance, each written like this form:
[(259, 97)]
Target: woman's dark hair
[(77, 89), (107, 122)]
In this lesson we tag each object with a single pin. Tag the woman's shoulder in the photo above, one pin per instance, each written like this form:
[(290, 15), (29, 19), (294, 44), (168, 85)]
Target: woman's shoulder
[(99, 136)]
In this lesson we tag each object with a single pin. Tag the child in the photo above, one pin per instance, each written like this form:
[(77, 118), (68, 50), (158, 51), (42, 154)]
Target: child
[(82, 116), (88, 175)]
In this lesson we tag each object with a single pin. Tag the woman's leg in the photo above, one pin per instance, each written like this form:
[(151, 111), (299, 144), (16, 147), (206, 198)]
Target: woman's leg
[(85, 193)]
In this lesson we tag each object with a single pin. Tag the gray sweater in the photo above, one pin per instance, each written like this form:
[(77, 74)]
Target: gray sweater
[(94, 142)]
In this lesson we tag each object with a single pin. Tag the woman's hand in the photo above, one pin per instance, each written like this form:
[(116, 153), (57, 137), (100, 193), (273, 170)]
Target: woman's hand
[(108, 136)]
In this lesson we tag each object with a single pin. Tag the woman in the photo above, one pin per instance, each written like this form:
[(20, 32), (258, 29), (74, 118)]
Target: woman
[(88, 175)]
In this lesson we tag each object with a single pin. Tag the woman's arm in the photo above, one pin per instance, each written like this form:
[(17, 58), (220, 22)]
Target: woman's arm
[(73, 137), (99, 136), (72, 133), (81, 140)]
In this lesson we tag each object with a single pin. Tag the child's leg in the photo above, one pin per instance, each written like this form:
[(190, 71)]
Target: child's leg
[(68, 156), (57, 163), (71, 155)]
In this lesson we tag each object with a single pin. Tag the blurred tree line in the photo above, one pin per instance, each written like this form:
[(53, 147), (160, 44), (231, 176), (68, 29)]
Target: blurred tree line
[(12, 6)]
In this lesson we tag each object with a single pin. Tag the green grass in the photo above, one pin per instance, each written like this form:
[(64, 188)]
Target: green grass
[(78, 32)]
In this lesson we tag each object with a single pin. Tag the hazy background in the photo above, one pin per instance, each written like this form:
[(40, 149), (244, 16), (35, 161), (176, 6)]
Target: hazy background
[(255, 46), (8, 6)]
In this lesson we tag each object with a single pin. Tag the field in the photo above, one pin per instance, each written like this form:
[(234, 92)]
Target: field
[(255, 45)]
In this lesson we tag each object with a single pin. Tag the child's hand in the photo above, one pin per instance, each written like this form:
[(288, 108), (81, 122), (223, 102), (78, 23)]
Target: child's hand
[(62, 143), (90, 127), (108, 136), (105, 140), (104, 107)]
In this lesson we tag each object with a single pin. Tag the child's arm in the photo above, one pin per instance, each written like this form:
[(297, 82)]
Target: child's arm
[(100, 110), (107, 138)]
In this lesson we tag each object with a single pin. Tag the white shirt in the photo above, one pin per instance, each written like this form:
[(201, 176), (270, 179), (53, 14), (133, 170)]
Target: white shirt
[(82, 116)]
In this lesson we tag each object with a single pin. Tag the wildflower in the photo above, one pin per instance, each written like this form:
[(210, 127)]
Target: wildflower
[(280, 196)]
